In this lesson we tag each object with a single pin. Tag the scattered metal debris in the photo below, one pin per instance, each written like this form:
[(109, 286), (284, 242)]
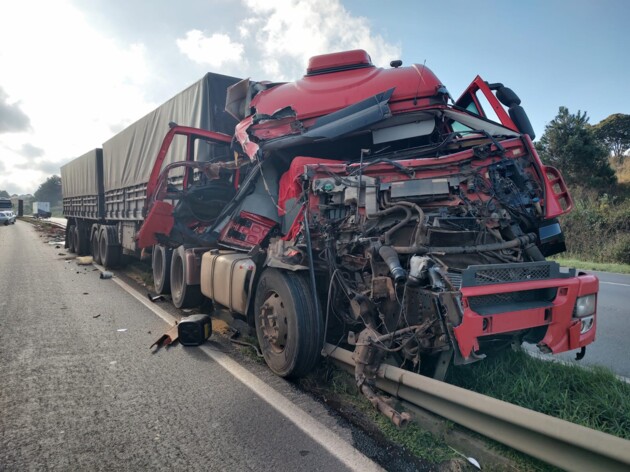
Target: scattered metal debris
[(167, 338), (155, 298)]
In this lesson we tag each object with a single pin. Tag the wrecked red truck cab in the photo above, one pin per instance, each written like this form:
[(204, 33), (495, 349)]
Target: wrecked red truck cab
[(364, 207)]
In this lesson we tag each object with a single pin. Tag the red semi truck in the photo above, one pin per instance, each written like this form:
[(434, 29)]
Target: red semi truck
[(365, 207)]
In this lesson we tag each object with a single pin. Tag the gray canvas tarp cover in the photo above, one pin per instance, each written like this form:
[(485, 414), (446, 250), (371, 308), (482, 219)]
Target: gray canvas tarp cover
[(128, 157), (80, 177)]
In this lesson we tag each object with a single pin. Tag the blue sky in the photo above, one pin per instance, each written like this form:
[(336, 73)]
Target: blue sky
[(79, 71), (552, 53)]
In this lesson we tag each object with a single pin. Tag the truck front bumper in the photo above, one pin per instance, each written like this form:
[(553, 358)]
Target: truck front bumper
[(499, 309)]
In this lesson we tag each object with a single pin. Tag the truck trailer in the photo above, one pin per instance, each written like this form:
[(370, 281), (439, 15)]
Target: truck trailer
[(41, 210), (362, 206), (104, 190)]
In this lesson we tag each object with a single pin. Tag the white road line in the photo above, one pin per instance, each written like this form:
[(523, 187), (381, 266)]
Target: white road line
[(614, 283), (328, 439)]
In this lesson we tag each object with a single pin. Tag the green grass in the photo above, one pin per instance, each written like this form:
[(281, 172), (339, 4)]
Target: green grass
[(586, 265), (592, 397)]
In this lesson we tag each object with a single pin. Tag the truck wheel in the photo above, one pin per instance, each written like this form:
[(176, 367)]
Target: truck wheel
[(182, 294), (80, 242), (96, 255), (162, 268), (289, 330), (70, 238), (109, 251)]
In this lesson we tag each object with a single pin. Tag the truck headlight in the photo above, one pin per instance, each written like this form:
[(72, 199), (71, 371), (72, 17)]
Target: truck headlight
[(587, 323), (585, 306)]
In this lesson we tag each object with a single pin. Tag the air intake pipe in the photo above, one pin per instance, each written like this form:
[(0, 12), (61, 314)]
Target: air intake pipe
[(393, 262)]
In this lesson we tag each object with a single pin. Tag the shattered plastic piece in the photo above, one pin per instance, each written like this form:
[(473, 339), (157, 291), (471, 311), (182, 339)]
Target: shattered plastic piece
[(121, 330), (471, 460)]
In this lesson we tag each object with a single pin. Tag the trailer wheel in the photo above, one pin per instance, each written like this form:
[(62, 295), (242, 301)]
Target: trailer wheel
[(109, 250), (162, 257), (70, 238), (182, 294), (80, 242), (289, 329), (96, 254)]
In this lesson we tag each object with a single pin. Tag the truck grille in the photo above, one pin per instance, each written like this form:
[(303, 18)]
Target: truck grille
[(478, 275), (514, 274)]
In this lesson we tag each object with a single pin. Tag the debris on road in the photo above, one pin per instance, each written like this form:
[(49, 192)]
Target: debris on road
[(155, 298), (106, 275), (85, 260), (167, 338), (194, 330)]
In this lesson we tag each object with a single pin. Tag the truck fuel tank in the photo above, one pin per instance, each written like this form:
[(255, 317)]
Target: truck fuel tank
[(227, 278)]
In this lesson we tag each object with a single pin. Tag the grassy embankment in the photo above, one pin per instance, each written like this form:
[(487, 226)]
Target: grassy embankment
[(597, 231)]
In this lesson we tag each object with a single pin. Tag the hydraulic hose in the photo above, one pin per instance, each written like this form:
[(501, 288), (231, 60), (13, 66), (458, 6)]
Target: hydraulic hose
[(403, 222)]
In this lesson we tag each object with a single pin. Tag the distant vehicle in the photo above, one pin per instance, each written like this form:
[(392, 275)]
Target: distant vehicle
[(7, 218), (41, 210), (6, 204)]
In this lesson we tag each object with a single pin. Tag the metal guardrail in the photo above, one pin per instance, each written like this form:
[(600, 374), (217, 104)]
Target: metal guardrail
[(555, 441)]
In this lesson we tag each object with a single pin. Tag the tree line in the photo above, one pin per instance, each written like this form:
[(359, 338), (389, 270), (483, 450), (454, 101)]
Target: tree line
[(583, 152)]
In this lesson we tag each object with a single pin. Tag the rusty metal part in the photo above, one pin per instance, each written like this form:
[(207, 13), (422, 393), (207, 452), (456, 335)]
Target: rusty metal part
[(399, 419), (367, 359), (382, 287), (167, 338), (555, 441), (273, 322)]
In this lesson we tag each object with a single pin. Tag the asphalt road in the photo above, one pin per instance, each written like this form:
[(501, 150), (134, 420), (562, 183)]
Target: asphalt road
[(81, 390)]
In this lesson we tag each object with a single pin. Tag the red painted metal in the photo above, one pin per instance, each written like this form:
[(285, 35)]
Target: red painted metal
[(159, 220), (246, 230), (480, 85), (319, 95), (190, 133), (338, 60), (561, 325)]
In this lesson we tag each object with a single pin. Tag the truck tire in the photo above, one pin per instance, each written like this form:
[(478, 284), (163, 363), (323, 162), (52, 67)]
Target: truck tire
[(81, 243), (109, 249), (161, 263), (70, 238), (182, 294), (96, 254), (289, 329)]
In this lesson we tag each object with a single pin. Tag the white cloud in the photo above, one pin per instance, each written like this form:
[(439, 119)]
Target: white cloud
[(288, 32), (70, 80), (215, 50), (277, 39)]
